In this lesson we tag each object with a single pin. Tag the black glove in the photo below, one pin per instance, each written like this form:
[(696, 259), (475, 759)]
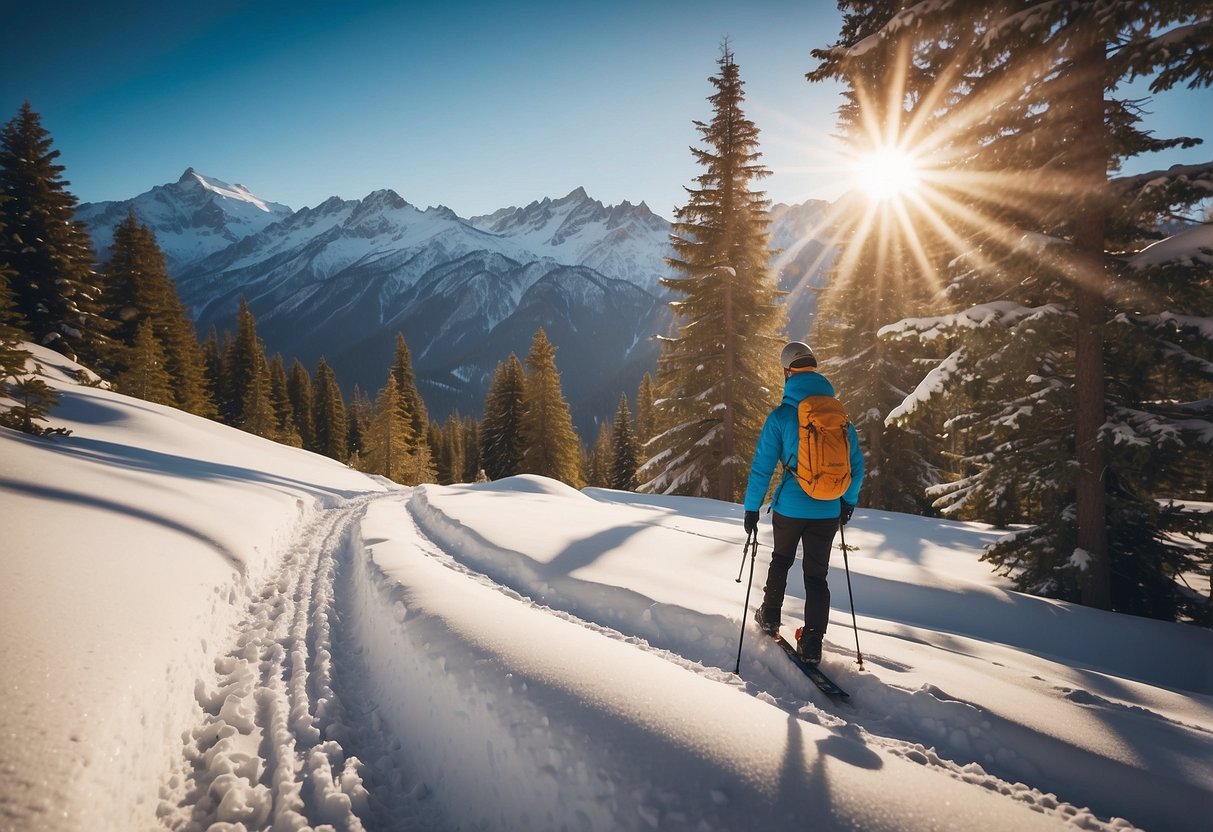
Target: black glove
[(751, 522), (844, 516)]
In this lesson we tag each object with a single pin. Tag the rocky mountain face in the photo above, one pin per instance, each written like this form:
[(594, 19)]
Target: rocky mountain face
[(341, 279), (193, 217)]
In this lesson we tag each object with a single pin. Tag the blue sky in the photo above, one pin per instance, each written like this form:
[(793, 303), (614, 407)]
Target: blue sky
[(472, 105)]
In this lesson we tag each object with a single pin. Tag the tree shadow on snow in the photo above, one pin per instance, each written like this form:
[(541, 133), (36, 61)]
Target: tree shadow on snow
[(61, 495), (175, 465)]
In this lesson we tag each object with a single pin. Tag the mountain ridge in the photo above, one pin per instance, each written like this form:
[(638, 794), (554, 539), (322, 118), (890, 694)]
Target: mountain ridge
[(339, 279)]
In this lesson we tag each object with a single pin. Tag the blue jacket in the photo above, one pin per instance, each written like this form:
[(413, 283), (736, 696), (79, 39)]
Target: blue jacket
[(780, 440)]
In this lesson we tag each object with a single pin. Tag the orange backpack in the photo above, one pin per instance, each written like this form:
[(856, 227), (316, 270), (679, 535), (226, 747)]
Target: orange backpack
[(823, 461)]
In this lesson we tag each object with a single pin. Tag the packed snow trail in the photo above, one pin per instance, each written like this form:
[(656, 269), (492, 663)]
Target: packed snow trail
[(272, 746), (590, 728), (923, 723), (203, 622)]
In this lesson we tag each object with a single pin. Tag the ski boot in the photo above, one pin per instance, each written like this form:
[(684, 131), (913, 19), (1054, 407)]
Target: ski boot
[(766, 622), (808, 645)]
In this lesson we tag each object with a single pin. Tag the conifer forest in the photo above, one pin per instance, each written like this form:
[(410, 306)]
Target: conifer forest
[(997, 321)]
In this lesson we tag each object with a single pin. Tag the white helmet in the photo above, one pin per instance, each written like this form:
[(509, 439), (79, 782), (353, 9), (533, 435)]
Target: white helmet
[(797, 356)]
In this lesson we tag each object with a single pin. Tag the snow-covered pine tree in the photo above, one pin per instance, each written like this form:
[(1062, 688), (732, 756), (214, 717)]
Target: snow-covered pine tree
[(718, 377), (550, 444), (1061, 376), (55, 290), (501, 443)]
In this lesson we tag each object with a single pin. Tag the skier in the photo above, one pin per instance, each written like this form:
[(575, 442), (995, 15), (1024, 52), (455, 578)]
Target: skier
[(797, 517)]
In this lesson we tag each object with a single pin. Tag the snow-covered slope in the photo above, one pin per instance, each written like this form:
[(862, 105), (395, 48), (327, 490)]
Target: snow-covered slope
[(193, 217), (200, 627), (131, 549)]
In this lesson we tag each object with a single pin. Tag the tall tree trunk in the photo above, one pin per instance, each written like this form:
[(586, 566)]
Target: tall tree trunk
[(1090, 165), (728, 440)]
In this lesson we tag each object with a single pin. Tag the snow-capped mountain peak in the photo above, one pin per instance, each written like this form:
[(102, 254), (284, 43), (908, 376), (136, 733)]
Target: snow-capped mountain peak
[(624, 241), (193, 217), (225, 191)]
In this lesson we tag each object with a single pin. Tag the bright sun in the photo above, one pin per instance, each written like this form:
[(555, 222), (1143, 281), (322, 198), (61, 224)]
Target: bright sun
[(887, 173)]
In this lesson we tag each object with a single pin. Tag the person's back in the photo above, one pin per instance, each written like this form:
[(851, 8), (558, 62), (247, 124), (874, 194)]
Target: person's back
[(797, 517)]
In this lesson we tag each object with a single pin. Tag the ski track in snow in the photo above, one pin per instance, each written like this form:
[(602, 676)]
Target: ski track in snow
[(926, 726), (273, 745), (288, 735)]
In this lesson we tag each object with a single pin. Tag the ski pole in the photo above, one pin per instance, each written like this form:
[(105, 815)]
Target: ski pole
[(846, 564), (751, 543), (745, 547)]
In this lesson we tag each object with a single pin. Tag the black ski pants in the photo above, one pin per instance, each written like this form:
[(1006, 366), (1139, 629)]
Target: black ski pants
[(817, 539)]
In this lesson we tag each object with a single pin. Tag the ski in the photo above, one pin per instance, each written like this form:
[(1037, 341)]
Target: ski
[(823, 682)]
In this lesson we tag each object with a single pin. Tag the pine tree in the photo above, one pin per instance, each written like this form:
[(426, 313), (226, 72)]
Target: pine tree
[(144, 375), (12, 356), (280, 398), (550, 444), (242, 359), (247, 376), (328, 413), (598, 459), (388, 436), (623, 449), (215, 380), (299, 390), (33, 399), (436, 439), (257, 414), (647, 415), (412, 408), (1070, 372), (137, 289), (501, 442), (56, 292), (471, 449), (453, 451), (411, 404), (359, 414), (719, 377)]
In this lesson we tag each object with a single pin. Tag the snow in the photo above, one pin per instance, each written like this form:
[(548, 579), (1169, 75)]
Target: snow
[(239, 193), (193, 218), (203, 630), (1189, 247), (622, 241)]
